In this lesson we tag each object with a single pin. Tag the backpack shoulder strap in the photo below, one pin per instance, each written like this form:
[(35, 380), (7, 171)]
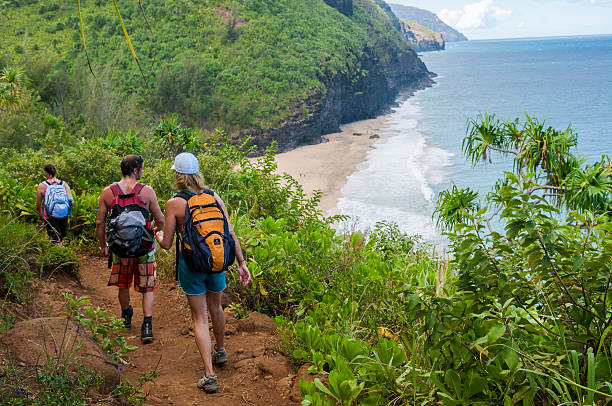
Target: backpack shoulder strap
[(209, 192), (185, 194), (137, 188), (116, 189)]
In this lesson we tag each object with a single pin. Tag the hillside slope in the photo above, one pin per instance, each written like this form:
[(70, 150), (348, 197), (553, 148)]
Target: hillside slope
[(429, 20), (285, 70), (420, 37)]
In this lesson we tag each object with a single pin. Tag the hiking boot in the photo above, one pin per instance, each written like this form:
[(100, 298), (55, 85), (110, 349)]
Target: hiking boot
[(126, 315), (208, 383), (219, 356), (146, 333)]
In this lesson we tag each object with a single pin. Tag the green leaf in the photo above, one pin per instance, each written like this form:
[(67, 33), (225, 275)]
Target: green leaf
[(453, 380), (323, 388), (495, 333), (511, 356)]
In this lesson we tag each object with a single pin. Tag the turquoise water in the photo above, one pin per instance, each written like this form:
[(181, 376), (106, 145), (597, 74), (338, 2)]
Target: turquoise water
[(560, 80)]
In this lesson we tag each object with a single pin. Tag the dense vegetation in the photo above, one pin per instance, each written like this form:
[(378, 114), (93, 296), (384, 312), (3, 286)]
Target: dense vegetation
[(521, 312), (237, 64)]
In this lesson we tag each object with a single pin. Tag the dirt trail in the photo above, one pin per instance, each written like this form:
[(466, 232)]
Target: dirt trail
[(255, 373)]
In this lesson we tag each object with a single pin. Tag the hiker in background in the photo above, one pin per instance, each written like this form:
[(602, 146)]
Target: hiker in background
[(128, 240), (53, 203), (206, 246)]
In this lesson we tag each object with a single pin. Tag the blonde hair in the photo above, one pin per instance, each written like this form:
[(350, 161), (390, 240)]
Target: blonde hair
[(193, 182)]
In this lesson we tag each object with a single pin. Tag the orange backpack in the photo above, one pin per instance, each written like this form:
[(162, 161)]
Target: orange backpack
[(206, 243)]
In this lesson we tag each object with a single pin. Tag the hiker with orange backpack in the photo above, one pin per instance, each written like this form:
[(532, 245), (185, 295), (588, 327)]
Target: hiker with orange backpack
[(206, 247), (128, 241), (53, 203)]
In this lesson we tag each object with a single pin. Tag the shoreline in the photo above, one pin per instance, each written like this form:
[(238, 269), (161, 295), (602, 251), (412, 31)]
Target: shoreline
[(326, 166)]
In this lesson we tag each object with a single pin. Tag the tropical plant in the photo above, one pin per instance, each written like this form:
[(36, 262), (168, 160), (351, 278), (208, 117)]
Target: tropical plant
[(550, 266), (12, 80)]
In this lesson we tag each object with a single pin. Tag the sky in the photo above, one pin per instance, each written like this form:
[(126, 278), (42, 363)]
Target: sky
[(488, 19)]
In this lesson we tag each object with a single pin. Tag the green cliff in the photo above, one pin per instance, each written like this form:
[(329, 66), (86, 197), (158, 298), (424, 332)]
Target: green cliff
[(429, 20), (421, 38), (285, 70)]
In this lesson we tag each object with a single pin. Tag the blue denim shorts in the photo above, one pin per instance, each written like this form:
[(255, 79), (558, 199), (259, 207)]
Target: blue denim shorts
[(198, 283)]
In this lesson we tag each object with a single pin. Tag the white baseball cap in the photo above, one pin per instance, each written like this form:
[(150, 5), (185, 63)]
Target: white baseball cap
[(186, 163)]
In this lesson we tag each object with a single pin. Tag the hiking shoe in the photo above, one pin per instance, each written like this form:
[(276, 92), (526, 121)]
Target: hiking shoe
[(208, 383), (219, 356), (146, 333), (126, 315)]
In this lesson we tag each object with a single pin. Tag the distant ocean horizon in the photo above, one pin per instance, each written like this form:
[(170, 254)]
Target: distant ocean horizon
[(559, 80), (541, 37)]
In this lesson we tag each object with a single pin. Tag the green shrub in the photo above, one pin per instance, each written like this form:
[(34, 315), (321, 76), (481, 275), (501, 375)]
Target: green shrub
[(27, 252), (20, 244), (58, 258)]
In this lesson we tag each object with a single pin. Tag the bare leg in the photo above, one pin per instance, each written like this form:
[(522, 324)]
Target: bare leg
[(200, 328), (148, 301), (124, 298), (213, 300)]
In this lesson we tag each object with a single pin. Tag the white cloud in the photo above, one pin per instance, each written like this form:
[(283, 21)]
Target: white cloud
[(475, 15)]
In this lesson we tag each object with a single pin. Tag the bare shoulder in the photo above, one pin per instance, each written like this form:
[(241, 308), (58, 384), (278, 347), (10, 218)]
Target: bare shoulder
[(175, 201), (148, 194), (107, 195), (176, 206)]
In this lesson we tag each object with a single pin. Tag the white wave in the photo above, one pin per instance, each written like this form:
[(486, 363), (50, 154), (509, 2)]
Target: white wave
[(396, 182)]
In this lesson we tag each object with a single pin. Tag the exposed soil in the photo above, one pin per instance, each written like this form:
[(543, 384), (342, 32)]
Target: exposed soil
[(255, 374)]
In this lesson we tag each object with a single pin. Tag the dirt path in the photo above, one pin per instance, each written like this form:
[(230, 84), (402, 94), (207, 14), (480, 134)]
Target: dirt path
[(255, 373)]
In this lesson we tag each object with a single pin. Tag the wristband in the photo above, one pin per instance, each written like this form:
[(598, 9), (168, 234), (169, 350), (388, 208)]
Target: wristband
[(240, 261)]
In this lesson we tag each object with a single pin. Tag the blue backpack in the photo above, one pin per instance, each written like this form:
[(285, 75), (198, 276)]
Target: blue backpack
[(56, 200)]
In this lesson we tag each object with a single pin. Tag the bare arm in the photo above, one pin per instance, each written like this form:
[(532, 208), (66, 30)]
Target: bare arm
[(154, 208), (239, 255), (101, 220), (40, 197), (165, 237), (243, 270), (68, 191)]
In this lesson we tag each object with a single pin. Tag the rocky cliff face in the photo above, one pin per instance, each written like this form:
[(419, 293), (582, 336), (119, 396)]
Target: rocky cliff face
[(364, 90), (421, 38), (343, 6), (429, 20), (348, 99)]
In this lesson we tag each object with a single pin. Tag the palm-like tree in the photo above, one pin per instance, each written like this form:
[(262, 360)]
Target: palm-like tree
[(590, 188), (548, 149), (542, 156), (12, 80), (483, 134)]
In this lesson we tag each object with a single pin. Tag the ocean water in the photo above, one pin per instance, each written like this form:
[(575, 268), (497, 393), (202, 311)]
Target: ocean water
[(562, 80)]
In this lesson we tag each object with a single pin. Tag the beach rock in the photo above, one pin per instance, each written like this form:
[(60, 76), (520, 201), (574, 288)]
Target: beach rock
[(357, 134), (373, 136), (33, 341)]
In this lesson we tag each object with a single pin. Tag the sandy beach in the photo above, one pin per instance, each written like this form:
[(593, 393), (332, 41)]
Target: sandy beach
[(326, 166)]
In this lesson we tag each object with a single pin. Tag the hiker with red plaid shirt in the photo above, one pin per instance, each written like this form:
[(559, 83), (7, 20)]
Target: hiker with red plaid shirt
[(141, 270)]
